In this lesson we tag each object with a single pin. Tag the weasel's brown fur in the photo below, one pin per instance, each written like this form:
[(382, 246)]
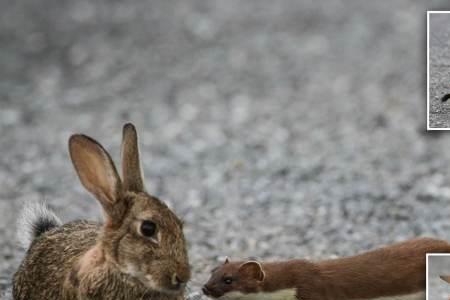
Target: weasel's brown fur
[(394, 270)]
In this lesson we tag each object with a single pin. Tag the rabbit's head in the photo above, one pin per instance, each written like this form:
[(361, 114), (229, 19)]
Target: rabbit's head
[(140, 236)]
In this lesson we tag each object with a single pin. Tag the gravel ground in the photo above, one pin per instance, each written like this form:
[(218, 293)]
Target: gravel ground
[(439, 72), (275, 129)]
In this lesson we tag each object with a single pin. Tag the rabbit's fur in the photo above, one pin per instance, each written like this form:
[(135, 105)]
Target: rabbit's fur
[(113, 260), (36, 219)]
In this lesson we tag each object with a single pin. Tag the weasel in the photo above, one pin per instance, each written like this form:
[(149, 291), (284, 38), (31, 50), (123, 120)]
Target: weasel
[(395, 272)]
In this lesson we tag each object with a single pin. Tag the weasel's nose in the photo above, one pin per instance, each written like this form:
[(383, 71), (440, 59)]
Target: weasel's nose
[(205, 290)]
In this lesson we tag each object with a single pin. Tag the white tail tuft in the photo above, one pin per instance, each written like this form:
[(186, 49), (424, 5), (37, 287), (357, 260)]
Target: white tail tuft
[(35, 219)]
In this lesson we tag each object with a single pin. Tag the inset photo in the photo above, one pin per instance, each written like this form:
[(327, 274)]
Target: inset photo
[(438, 70), (438, 276)]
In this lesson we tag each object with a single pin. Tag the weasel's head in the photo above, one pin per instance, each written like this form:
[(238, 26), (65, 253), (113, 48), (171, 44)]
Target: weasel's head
[(234, 278)]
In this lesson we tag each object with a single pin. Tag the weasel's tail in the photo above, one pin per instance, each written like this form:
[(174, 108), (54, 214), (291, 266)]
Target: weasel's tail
[(445, 97), (35, 219)]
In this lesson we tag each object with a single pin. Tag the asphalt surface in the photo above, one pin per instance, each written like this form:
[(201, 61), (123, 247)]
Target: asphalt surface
[(274, 129)]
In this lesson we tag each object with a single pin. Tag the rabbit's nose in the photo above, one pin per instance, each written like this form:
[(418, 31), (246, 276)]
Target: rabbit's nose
[(177, 281)]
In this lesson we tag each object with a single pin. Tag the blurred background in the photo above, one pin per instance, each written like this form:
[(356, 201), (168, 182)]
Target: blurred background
[(438, 289), (275, 129)]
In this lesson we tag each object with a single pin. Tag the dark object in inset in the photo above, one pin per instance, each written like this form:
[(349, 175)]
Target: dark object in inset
[(445, 97)]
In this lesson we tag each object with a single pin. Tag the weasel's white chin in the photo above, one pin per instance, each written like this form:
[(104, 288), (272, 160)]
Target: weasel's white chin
[(231, 296), (286, 294)]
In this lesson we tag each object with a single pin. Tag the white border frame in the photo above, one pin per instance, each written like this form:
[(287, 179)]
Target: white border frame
[(429, 12), (426, 278)]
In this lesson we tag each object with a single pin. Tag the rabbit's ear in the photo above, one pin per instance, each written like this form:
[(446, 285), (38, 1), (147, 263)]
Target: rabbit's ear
[(131, 168), (98, 174)]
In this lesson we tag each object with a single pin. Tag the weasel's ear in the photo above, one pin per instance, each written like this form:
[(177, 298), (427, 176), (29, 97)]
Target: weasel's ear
[(252, 269), (446, 278), (227, 261)]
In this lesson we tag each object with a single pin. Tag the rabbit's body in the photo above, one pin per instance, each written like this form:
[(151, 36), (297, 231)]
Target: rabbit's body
[(62, 246), (73, 239), (120, 259)]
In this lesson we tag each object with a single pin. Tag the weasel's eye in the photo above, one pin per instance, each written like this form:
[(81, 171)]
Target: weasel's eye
[(228, 280), (148, 228)]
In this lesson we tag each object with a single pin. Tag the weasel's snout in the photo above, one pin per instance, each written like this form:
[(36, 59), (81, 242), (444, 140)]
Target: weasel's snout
[(206, 291)]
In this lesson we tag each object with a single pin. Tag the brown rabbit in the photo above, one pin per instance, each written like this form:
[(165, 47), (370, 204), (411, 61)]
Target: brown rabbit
[(139, 252)]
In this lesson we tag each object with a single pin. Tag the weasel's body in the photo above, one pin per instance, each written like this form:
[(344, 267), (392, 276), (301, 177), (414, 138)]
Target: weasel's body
[(393, 272)]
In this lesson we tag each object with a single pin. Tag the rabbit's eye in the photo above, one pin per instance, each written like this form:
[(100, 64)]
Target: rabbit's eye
[(148, 228)]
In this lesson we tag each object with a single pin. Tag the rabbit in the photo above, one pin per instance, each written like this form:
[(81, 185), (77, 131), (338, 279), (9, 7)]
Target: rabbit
[(138, 252)]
